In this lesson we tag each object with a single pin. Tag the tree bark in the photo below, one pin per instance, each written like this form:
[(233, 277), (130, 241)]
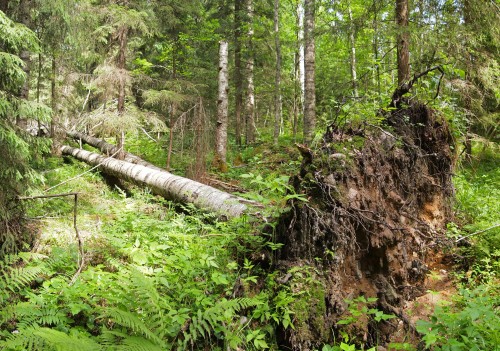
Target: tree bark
[(301, 53), (309, 61), (170, 186), (121, 63), (110, 149), (222, 109), (53, 94), (25, 18), (375, 52), (4, 6), (277, 79), (250, 98), (352, 43), (238, 77), (403, 42)]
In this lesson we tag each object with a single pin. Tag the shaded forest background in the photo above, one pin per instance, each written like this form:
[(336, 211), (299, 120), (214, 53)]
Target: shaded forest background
[(145, 75)]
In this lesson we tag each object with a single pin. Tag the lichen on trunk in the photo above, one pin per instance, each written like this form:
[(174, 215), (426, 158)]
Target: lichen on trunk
[(379, 201)]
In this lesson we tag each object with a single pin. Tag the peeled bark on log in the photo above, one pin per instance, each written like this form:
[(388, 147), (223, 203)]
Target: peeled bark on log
[(110, 149), (170, 186)]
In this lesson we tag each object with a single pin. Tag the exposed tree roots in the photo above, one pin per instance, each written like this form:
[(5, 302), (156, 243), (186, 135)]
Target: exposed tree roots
[(379, 199)]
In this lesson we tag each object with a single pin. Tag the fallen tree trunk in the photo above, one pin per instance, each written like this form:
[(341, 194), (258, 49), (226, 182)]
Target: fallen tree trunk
[(110, 149), (170, 186)]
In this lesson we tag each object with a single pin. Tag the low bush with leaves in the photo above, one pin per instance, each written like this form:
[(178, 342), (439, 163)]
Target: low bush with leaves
[(472, 323)]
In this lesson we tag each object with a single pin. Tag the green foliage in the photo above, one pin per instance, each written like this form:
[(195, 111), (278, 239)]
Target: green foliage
[(272, 188), (478, 208), (155, 280), (16, 147), (359, 307), (472, 323)]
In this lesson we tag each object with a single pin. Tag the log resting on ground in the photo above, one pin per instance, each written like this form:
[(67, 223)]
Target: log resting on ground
[(109, 149), (170, 186)]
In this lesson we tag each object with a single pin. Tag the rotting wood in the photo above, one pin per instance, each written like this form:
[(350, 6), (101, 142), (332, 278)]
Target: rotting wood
[(170, 186), (109, 149)]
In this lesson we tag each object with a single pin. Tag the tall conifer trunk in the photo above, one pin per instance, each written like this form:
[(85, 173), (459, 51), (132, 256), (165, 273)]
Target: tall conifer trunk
[(25, 18), (403, 41), (277, 79), (53, 95), (309, 61), (120, 63)]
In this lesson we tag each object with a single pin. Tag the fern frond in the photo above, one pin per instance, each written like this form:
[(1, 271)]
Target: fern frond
[(132, 321), (25, 340), (61, 341), (14, 278), (136, 343)]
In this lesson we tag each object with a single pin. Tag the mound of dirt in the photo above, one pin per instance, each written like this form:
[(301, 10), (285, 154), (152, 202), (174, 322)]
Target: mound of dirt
[(378, 203)]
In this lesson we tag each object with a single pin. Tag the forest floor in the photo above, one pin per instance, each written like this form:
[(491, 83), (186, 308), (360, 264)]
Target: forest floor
[(178, 269)]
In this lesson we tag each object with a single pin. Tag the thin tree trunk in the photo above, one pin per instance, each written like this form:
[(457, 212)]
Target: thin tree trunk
[(250, 99), (53, 95), (277, 79), (403, 42), (238, 77), (38, 89), (298, 88), (296, 97), (467, 15), (309, 61), (222, 109), (300, 39), (375, 52), (120, 63), (168, 185), (24, 12), (173, 111), (352, 43)]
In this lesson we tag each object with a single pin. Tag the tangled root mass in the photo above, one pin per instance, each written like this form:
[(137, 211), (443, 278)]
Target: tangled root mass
[(379, 199)]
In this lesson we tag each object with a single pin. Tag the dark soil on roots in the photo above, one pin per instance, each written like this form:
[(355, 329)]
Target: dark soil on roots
[(378, 202)]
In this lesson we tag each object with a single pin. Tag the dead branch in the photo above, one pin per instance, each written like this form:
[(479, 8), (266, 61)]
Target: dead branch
[(406, 87)]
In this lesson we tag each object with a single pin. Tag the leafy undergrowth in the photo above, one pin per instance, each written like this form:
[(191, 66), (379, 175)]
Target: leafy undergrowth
[(157, 278), (154, 279), (472, 320)]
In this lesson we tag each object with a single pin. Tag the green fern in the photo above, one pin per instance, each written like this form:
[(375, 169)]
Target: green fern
[(131, 321), (45, 339), (15, 275)]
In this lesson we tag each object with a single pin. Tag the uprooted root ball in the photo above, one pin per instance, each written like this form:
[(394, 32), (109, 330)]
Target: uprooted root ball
[(379, 199)]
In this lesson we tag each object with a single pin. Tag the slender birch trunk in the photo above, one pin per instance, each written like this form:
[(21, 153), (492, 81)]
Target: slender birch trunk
[(375, 52), (250, 98), (301, 52), (309, 61), (352, 43), (238, 76), (222, 109), (170, 186)]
